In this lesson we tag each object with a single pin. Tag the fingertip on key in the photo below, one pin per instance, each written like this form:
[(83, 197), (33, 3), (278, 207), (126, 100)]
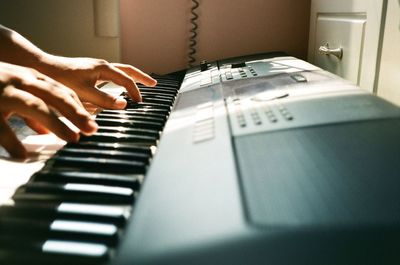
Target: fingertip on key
[(119, 103)]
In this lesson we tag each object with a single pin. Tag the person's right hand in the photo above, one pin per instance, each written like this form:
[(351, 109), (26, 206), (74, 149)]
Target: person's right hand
[(34, 96)]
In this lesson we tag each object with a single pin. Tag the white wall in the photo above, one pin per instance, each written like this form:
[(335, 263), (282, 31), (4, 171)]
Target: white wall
[(64, 27), (389, 74)]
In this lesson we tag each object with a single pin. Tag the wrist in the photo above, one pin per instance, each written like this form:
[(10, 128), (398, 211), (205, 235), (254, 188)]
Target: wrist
[(47, 64)]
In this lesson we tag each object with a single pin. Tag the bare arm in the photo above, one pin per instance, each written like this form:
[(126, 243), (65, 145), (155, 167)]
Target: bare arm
[(80, 74)]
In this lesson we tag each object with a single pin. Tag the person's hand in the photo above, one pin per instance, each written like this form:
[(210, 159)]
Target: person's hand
[(79, 74), (33, 96), (82, 75)]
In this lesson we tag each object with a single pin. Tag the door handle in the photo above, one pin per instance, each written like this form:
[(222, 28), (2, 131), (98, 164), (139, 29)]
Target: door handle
[(338, 52)]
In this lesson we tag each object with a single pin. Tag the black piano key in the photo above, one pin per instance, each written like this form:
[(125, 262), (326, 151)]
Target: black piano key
[(159, 91), (164, 85), (128, 180), (115, 154), (116, 215), (151, 99), (120, 138), (23, 250), (72, 192), (168, 77), (157, 95), (102, 165), (60, 230), (131, 123), (133, 104)]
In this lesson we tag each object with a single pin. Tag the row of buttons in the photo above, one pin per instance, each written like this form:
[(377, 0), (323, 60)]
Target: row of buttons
[(239, 113), (285, 113), (242, 72), (204, 124), (255, 116)]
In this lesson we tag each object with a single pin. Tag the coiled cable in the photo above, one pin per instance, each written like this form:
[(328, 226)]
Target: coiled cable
[(193, 32)]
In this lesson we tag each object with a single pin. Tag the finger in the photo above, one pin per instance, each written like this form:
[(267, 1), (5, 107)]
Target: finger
[(65, 101), (136, 74), (111, 73), (58, 85), (27, 105), (36, 126), (102, 99), (10, 142), (90, 107)]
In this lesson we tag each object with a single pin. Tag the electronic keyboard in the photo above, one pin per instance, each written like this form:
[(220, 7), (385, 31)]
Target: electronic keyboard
[(260, 159)]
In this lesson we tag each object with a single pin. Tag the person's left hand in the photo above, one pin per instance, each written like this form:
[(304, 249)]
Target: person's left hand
[(82, 75)]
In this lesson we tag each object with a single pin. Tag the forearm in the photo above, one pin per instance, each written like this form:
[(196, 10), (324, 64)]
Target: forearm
[(16, 49)]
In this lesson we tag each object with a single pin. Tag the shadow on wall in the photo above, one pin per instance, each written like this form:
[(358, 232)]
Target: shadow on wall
[(399, 7)]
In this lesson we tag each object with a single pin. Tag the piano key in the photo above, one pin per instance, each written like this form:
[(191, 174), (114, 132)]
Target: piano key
[(73, 192), (171, 98), (116, 215), (165, 85), (148, 150), (102, 165), (159, 91), (115, 154), (144, 105), (130, 131), (172, 77), (151, 99), (51, 252), (133, 181), (130, 123), (146, 110), (154, 107), (61, 230), (120, 138), (132, 117), (128, 113)]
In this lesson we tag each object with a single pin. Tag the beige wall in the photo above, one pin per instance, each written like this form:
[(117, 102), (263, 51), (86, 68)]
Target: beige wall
[(154, 33), (64, 27), (389, 74)]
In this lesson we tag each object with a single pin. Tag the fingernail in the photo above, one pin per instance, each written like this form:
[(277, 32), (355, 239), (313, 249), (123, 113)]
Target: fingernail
[(120, 103), (76, 140)]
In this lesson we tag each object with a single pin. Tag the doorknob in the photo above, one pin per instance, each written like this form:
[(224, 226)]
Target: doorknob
[(338, 52)]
